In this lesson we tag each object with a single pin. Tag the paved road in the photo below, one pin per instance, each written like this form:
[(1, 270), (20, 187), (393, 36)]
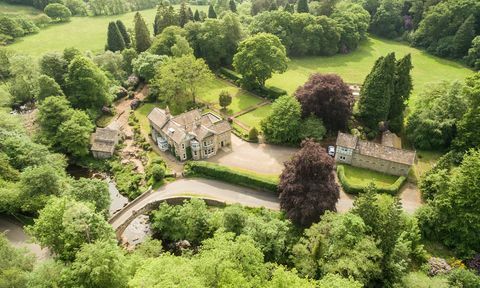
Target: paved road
[(216, 190), (260, 158)]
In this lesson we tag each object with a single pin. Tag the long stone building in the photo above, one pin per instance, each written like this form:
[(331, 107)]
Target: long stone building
[(190, 135), (387, 157)]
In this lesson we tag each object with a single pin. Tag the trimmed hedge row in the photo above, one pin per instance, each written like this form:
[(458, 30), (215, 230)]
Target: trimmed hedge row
[(356, 188), (269, 92), (230, 175)]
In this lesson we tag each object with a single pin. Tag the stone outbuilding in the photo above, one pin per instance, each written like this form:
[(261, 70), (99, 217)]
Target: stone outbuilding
[(387, 157), (103, 142), (191, 135)]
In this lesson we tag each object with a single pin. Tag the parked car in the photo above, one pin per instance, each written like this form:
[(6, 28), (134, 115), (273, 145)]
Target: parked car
[(331, 151)]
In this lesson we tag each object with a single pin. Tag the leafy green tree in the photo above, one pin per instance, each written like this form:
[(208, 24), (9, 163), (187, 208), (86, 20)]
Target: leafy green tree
[(158, 172), (232, 6), (37, 184), (162, 44), (70, 53), (354, 21), (15, 264), (128, 56), (433, 121), (165, 17), (465, 278), (87, 85), (178, 79), (387, 21), (336, 281), (473, 57), (58, 12), (302, 198), (282, 125), (302, 6), (146, 64), (253, 134), (125, 35), (181, 47), (46, 274), (91, 190), (211, 12), (115, 41), (142, 35), (7, 172), (112, 64), (55, 66), (284, 278), (48, 87), (167, 271), (338, 244), (312, 128), (224, 99), (402, 88), (5, 56), (100, 264), (65, 225), (376, 92), (24, 82), (73, 135), (258, 57), (234, 219), (468, 126), (52, 112), (443, 218)]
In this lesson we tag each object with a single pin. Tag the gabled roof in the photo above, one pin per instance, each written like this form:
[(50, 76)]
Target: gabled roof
[(158, 118), (347, 140), (104, 140)]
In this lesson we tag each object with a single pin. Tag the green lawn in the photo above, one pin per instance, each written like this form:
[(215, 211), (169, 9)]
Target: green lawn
[(241, 99), (254, 117), (364, 177), (353, 67), (425, 162), (142, 113), (84, 33)]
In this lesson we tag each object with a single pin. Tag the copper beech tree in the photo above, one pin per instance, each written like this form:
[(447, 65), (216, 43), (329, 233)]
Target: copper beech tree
[(307, 184)]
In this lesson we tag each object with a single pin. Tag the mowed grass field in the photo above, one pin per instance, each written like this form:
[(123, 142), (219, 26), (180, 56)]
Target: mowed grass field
[(364, 177), (355, 66), (6, 8), (84, 33)]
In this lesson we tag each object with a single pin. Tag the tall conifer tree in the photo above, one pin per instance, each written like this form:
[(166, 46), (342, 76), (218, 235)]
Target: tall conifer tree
[(402, 88), (115, 40), (142, 35), (125, 35), (376, 92), (183, 14), (464, 36), (302, 6), (166, 16), (233, 6), (211, 12), (196, 16)]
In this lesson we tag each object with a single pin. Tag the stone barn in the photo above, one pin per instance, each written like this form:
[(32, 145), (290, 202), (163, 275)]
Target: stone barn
[(386, 157), (103, 142)]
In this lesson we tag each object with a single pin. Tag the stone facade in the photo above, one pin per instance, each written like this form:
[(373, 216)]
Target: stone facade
[(374, 156), (190, 135)]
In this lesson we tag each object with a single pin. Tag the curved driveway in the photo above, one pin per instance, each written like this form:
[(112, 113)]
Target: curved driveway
[(210, 189)]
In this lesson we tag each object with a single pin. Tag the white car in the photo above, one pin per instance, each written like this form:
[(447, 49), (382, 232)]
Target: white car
[(331, 151)]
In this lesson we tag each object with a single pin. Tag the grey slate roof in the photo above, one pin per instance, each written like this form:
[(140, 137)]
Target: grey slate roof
[(104, 140), (376, 150), (191, 123)]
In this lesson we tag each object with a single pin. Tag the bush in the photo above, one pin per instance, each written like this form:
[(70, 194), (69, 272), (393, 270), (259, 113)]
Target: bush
[(41, 20), (230, 75), (158, 172), (253, 135), (356, 189), (463, 278), (58, 12), (10, 27), (230, 175)]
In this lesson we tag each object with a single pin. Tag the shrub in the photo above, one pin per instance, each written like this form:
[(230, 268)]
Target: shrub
[(41, 20), (438, 266), (58, 11), (253, 135), (230, 75), (224, 99), (231, 175), (353, 188), (463, 278), (158, 172), (10, 27)]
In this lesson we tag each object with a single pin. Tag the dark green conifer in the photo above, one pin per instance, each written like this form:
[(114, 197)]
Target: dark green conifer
[(289, 8), (211, 12), (464, 36), (196, 16), (183, 15), (302, 6), (233, 6), (115, 40), (142, 35), (125, 35), (402, 88)]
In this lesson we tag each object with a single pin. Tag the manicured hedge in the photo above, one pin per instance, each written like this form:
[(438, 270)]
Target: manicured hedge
[(231, 175), (353, 188), (230, 75)]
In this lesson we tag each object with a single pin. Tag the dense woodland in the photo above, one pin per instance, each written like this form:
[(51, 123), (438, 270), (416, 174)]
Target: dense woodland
[(306, 243)]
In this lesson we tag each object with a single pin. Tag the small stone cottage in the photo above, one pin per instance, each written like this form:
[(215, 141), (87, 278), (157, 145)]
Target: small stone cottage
[(103, 142), (190, 135), (387, 157)]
